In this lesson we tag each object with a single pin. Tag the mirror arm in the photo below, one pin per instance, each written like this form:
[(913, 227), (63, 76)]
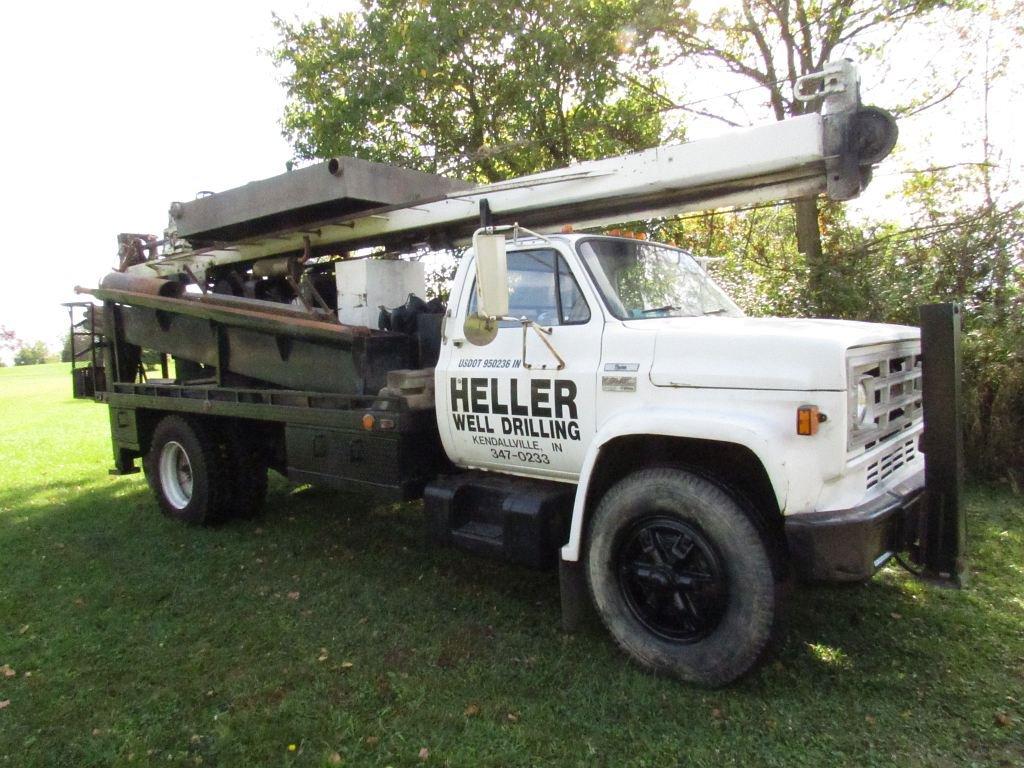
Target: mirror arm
[(543, 333), (515, 229)]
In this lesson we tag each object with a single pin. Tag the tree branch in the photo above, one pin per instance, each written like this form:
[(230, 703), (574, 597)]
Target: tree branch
[(933, 103), (703, 113)]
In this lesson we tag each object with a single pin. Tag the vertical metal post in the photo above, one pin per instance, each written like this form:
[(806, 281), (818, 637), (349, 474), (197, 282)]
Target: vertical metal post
[(71, 316), (222, 352), (97, 352), (112, 327), (942, 543)]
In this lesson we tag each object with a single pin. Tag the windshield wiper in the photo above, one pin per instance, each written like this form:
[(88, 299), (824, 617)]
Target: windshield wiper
[(666, 308), (719, 311)]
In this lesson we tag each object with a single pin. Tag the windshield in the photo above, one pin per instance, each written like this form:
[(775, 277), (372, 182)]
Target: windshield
[(639, 279)]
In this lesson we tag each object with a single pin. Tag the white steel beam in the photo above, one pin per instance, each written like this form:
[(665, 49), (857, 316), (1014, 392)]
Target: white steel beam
[(769, 162)]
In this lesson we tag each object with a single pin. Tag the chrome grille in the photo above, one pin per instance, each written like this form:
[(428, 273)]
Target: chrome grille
[(891, 374), (896, 458)]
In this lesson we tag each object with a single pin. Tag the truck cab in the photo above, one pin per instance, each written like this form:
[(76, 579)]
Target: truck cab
[(635, 340), (619, 355)]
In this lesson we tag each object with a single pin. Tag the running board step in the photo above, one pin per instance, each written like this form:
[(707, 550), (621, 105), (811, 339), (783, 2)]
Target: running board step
[(509, 518)]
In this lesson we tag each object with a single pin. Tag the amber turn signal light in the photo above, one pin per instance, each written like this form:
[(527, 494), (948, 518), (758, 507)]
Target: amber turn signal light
[(807, 420)]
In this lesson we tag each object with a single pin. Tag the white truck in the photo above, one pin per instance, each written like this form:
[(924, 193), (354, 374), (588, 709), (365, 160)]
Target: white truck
[(588, 400)]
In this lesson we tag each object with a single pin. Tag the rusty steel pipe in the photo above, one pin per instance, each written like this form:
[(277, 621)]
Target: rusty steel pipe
[(268, 307), (153, 286)]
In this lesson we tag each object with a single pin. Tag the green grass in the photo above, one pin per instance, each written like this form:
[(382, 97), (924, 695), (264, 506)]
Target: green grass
[(328, 626)]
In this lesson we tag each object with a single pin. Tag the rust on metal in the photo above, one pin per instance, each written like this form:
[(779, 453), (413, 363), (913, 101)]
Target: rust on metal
[(297, 323), (153, 286)]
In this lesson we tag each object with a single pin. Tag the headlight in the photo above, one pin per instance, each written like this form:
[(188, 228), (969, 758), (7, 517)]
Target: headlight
[(863, 400)]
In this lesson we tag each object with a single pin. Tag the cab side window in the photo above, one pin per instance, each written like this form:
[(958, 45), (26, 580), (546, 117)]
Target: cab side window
[(542, 289)]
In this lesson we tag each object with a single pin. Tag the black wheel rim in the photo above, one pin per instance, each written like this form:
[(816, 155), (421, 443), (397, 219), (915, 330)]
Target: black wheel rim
[(671, 577)]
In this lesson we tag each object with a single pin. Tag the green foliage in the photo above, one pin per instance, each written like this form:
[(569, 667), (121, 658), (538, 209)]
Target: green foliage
[(994, 398), (440, 276), (752, 255), (31, 354), (968, 246), (482, 90), (66, 352), (953, 249), (329, 625)]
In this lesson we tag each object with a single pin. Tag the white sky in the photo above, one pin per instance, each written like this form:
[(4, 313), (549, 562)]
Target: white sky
[(111, 110)]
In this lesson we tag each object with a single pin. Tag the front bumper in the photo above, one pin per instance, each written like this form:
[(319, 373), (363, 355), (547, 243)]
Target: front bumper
[(851, 544)]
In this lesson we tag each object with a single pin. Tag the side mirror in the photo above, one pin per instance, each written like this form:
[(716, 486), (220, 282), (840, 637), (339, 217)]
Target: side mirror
[(491, 275)]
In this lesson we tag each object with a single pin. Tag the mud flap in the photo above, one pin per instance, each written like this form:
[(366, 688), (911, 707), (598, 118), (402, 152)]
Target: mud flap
[(940, 550), (574, 595)]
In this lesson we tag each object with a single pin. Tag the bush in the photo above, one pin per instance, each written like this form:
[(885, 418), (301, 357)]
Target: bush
[(31, 354), (993, 403)]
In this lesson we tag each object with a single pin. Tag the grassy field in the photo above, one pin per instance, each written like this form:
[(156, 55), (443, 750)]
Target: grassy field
[(328, 633)]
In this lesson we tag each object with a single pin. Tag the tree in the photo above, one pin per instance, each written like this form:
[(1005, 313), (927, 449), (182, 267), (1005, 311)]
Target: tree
[(482, 90), (8, 341), (67, 349), (31, 354), (771, 44), (751, 253)]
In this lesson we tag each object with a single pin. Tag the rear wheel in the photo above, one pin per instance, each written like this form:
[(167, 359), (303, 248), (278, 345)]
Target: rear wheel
[(681, 577), (186, 470)]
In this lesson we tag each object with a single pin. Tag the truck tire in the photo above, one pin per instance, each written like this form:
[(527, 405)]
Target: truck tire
[(681, 577), (186, 469)]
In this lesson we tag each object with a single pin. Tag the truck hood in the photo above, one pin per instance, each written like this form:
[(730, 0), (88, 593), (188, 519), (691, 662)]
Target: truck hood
[(760, 352)]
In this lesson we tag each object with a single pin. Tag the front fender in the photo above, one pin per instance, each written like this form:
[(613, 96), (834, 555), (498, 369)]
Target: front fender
[(723, 427)]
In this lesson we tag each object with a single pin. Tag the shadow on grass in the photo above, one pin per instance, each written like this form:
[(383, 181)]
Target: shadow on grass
[(113, 525), (330, 618)]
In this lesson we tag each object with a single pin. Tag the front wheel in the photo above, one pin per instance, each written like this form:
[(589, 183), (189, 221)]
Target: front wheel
[(681, 577)]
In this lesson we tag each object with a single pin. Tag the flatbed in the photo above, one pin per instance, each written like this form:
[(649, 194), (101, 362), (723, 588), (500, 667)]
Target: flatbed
[(349, 442)]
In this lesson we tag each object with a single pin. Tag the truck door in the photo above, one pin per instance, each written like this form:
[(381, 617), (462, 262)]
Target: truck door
[(516, 407)]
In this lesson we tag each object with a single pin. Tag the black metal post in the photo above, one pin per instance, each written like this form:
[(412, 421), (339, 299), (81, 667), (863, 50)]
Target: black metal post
[(112, 327), (942, 543), (223, 353)]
